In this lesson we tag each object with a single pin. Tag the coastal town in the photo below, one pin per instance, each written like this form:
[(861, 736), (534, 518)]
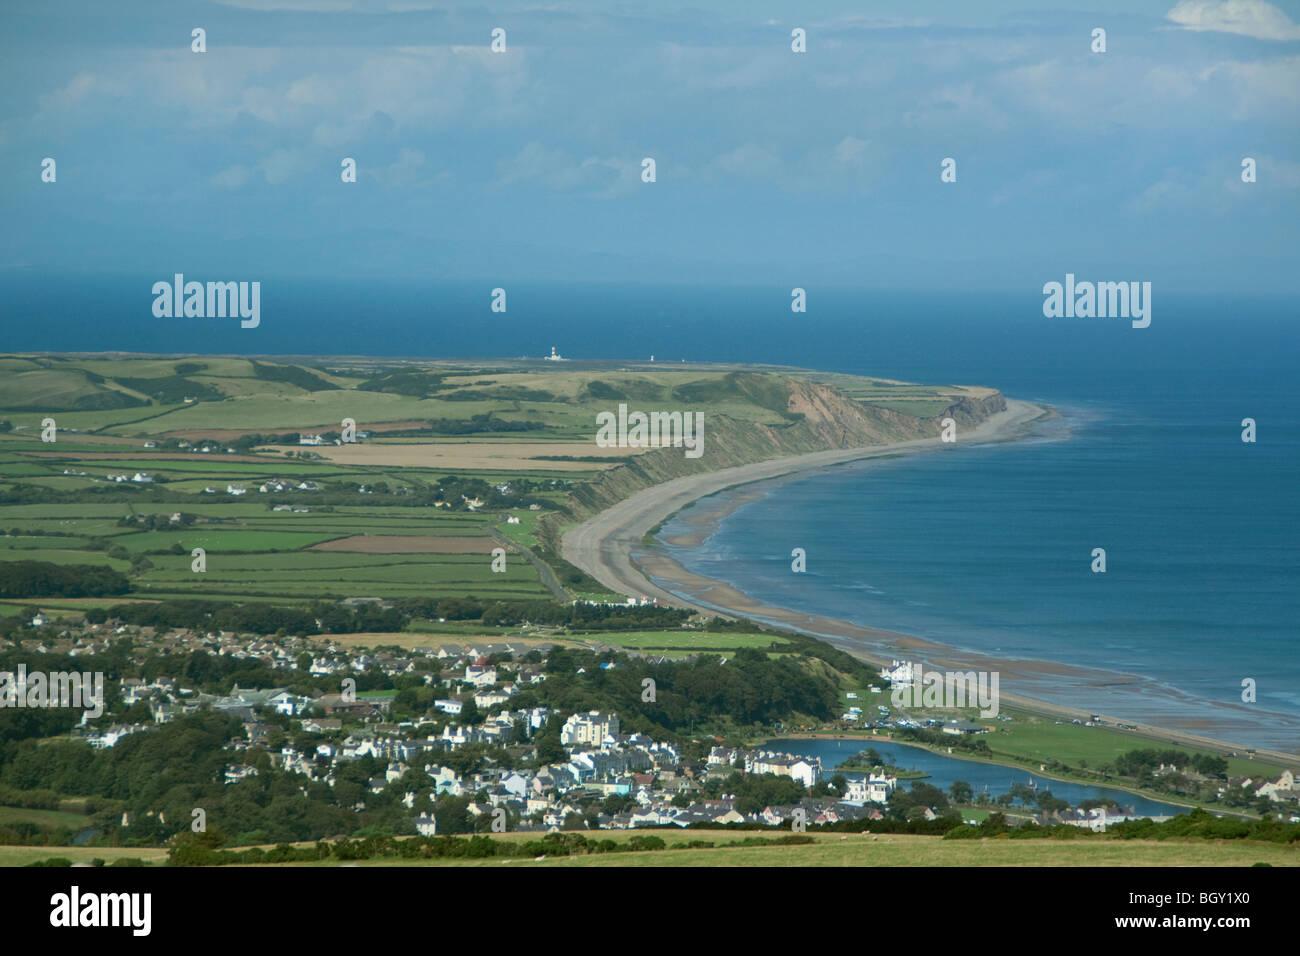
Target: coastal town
[(511, 767)]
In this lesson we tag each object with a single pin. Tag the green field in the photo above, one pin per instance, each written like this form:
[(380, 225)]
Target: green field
[(108, 406), (47, 818), (1039, 738), (684, 640)]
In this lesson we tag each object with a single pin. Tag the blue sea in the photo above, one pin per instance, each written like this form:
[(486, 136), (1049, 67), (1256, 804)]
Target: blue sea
[(986, 548)]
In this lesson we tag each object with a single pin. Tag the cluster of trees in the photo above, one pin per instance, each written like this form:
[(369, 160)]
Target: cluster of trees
[(584, 616), (294, 375), (172, 389), (911, 804), (940, 739), (255, 618), (748, 690), (199, 851), (22, 579), (503, 393), (1198, 824), (163, 775), (474, 425), (406, 382), (753, 793), (1204, 825), (337, 618), (1141, 763), (1029, 797), (254, 439), (542, 611), (22, 493)]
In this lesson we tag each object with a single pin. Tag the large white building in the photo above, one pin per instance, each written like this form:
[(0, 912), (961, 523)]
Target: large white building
[(590, 729), (806, 771), (899, 672), (875, 788), (480, 676)]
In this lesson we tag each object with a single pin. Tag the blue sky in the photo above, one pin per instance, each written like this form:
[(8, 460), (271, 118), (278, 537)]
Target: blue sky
[(772, 166)]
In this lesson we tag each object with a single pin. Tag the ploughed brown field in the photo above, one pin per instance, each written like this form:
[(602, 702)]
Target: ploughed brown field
[(408, 544)]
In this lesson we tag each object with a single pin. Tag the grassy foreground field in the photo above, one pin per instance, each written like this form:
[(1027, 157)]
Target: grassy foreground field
[(891, 850), (23, 855), (832, 849)]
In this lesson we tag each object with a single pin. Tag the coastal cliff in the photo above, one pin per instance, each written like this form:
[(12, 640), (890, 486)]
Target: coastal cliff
[(813, 417)]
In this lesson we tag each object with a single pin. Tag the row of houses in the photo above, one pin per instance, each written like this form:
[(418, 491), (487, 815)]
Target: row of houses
[(267, 487)]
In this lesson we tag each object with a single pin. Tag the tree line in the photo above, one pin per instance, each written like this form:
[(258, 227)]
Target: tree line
[(25, 579)]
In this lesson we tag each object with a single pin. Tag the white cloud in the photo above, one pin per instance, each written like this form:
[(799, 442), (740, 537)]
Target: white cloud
[(1217, 188), (1277, 80), (1251, 18), (556, 169), (233, 177), (78, 88), (404, 170), (282, 165), (748, 161)]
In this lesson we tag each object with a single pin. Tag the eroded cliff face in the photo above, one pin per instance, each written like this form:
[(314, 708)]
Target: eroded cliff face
[(820, 418)]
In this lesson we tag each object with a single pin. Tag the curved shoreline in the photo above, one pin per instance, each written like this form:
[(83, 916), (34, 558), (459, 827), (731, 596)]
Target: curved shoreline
[(604, 547)]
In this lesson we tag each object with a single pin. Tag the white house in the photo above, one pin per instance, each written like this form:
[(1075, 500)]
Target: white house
[(590, 728), (1284, 787), (899, 672), (286, 703), (491, 698), (807, 772), (446, 780), (873, 789)]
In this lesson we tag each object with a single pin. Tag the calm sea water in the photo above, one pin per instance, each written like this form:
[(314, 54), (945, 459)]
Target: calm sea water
[(984, 548)]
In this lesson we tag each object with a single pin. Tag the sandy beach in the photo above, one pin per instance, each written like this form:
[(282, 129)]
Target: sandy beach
[(610, 547)]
